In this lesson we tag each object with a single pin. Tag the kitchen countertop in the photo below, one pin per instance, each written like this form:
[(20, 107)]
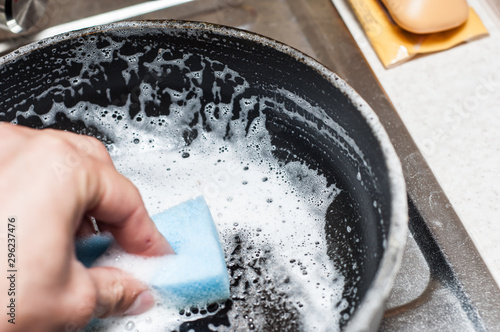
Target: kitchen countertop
[(450, 103)]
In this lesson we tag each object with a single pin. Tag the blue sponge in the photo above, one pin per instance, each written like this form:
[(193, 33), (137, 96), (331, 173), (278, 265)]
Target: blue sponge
[(197, 274)]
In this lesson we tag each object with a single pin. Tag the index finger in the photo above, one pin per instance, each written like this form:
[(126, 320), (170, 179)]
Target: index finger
[(116, 202)]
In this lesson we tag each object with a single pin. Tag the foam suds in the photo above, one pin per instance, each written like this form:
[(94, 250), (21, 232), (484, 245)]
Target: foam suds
[(271, 221)]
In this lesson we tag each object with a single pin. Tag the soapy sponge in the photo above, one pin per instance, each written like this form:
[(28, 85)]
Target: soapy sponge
[(197, 274)]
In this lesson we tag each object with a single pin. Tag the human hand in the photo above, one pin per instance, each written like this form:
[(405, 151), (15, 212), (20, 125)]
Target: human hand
[(50, 182)]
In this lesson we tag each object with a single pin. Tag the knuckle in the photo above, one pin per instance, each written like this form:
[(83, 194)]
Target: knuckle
[(52, 143), (100, 149), (87, 304), (102, 311), (91, 146), (113, 296), (118, 289), (79, 304), (94, 141)]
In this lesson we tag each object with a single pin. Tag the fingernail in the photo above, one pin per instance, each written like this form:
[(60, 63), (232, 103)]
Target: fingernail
[(142, 303)]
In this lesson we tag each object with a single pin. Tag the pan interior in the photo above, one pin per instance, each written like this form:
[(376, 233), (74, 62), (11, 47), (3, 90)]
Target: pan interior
[(292, 173)]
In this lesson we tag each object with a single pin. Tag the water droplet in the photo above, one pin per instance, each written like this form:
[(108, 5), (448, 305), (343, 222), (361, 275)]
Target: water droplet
[(136, 141), (129, 326)]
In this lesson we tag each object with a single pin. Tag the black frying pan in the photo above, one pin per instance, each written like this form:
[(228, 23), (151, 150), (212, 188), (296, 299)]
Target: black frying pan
[(337, 134)]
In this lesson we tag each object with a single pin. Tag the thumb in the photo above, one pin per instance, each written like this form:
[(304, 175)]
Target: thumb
[(118, 293)]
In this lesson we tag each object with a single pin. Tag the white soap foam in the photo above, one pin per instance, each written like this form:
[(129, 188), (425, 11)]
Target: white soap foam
[(276, 210), (271, 207)]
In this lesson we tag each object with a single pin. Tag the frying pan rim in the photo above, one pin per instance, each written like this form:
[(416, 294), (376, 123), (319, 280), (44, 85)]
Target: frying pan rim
[(371, 308)]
